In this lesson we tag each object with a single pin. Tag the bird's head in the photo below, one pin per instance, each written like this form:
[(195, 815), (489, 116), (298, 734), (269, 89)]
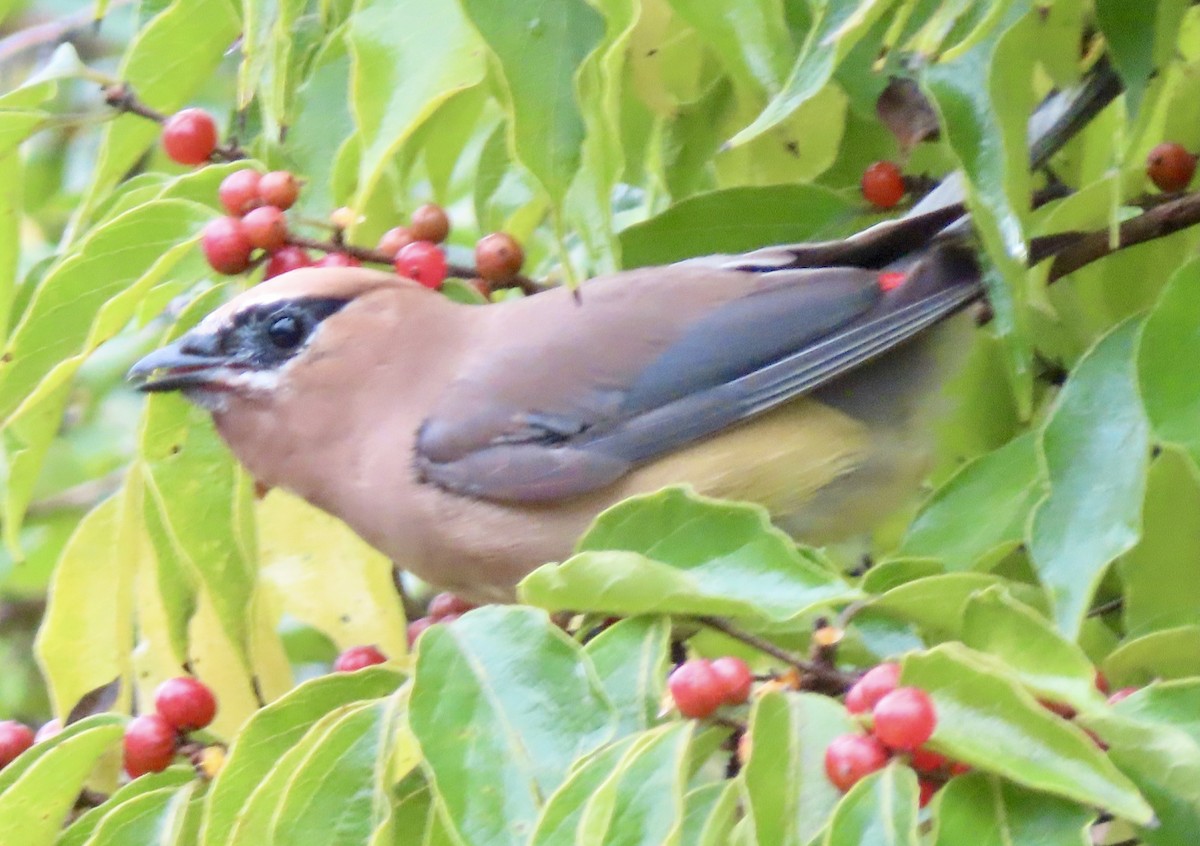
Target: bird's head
[(250, 347)]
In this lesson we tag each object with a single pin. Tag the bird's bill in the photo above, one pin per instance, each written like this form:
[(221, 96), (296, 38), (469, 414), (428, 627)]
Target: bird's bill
[(175, 368)]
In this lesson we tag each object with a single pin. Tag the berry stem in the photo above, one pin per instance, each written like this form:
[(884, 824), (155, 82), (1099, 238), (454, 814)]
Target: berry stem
[(122, 98), (819, 677), (459, 271)]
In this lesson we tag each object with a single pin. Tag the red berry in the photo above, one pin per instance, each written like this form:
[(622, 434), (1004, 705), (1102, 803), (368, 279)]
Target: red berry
[(186, 703), (422, 262), (851, 757), (357, 657), (498, 257), (1170, 166), (876, 683), (279, 189), (696, 688), (337, 260), (265, 227), (429, 223), (48, 730), (1101, 682), (149, 744), (190, 136), (736, 679), (446, 603), (392, 240), (286, 259), (905, 719), (927, 761), (883, 185), (927, 788), (226, 246), (417, 628), (239, 191), (15, 738), (1121, 693)]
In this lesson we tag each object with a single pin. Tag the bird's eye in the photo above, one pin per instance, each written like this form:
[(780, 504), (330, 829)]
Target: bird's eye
[(286, 332)]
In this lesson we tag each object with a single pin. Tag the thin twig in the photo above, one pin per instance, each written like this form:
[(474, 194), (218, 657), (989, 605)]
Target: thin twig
[(376, 257), (1158, 222), (122, 98), (824, 678), (1106, 607)]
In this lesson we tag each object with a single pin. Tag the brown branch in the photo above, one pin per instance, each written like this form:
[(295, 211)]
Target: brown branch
[(1086, 247), (820, 676)]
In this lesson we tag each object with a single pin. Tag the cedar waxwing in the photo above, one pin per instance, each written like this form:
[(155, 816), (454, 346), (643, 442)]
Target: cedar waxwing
[(473, 443)]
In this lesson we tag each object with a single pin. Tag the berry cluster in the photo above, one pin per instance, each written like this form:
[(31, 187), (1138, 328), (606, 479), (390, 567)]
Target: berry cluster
[(255, 204), (700, 686), (902, 720), (181, 705), (1170, 166), (443, 608)]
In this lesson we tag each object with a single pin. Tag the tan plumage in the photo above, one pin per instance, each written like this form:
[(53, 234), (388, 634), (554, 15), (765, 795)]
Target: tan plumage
[(340, 426)]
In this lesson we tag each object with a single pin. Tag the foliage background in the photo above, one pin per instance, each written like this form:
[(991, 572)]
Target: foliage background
[(596, 132)]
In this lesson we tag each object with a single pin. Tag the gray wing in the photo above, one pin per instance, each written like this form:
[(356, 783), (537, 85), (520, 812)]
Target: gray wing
[(580, 428)]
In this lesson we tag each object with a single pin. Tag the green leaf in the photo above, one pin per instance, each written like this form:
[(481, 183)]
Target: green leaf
[(1167, 653), (675, 552), (789, 795), (992, 723), (254, 819), (338, 794), (275, 729), (1096, 448), (641, 803), (935, 603), (1174, 703), (503, 703), (711, 811), (80, 830), (734, 220), (986, 811), (38, 790), (560, 820), (168, 60), (81, 643), (630, 657), (92, 293), (149, 818), (751, 38), (1140, 37), (408, 57), (1165, 765), (326, 576), (882, 808), (1160, 590), (1055, 668), (837, 26), (538, 48), (980, 513), (1168, 342), (983, 97)]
